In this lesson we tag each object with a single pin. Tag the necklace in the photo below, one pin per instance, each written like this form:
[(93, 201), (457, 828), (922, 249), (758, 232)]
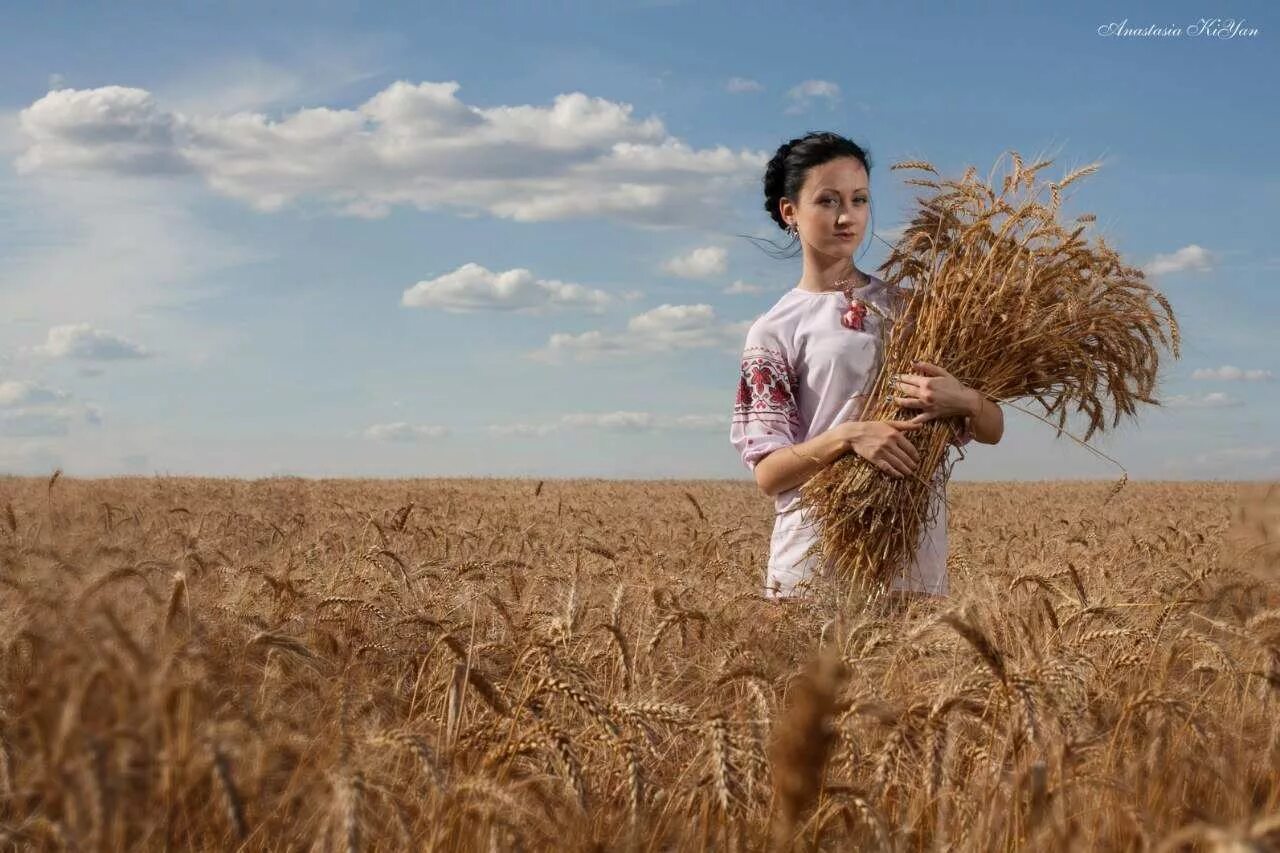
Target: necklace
[(855, 309)]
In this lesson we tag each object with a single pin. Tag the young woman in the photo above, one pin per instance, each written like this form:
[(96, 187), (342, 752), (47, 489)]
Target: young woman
[(809, 360)]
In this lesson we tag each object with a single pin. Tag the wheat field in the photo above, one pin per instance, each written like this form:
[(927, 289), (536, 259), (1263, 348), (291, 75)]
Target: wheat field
[(290, 664)]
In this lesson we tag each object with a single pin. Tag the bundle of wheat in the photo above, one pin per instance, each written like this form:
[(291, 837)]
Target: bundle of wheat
[(1012, 303)]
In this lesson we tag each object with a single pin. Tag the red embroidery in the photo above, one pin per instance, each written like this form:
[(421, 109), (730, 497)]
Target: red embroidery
[(780, 394), (761, 376), (767, 391)]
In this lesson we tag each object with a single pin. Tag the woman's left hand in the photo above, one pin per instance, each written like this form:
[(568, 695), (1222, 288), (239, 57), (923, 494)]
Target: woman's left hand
[(937, 393)]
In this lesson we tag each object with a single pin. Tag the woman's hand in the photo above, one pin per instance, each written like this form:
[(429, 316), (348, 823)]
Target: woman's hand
[(937, 393), (883, 443)]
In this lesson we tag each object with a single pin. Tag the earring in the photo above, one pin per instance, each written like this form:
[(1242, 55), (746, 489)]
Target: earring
[(793, 230)]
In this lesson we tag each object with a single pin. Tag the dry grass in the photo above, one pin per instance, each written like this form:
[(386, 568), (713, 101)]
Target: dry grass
[(486, 664), (1012, 302)]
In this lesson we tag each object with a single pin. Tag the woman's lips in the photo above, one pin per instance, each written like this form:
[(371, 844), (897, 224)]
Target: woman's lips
[(845, 234)]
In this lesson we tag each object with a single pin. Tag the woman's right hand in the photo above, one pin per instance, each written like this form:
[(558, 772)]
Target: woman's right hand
[(884, 444)]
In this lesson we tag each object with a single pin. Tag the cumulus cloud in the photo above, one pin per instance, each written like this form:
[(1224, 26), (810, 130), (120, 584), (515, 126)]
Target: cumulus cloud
[(30, 409), (15, 392), (83, 342), (802, 95), (34, 422), (1213, 400), (1230, 373), (472, 287), (410, 144), (618, 421), (708, 423), (521, 429), (660, 329), (704, 262), (403, 432), (113, 129), (738, 85), (741, 288), (1191, 257)]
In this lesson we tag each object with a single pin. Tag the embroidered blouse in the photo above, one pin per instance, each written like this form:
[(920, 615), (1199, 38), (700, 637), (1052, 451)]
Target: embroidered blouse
[(803, 372)]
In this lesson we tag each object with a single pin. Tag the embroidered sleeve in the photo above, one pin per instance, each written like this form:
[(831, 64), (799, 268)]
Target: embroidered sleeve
[(766, 416)]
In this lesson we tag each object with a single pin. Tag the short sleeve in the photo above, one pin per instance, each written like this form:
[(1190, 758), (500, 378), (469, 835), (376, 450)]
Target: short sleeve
[(766, 416)]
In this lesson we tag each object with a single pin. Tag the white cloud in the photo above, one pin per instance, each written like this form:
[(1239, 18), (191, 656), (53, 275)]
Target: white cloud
[(802, 95), (113, 129), (620, 421), (1191, 257), (34, 422), (661, 329), (410, 144), (738, 85), (521, 429), (709, 423), (1213, 400), (114, 252), (405, 432), (33, 409), (703, 262), (82, 341), (1230, 373), (472, 287), (740, 287), (15, 392)]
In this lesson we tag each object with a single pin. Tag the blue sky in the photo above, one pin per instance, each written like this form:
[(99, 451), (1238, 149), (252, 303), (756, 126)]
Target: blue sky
[(503, 239)]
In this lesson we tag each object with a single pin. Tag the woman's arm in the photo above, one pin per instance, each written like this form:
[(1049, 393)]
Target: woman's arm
[(986, 419), (882, 443), (938, 394), (788, 467)]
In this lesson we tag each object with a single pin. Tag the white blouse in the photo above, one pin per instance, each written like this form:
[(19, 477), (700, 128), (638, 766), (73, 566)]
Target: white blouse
[(803, 372)]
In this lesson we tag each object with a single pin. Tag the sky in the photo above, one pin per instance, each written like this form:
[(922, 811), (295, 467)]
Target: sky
[(513, 239)]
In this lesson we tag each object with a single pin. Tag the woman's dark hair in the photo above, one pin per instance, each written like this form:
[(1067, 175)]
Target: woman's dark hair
[(787, 169)]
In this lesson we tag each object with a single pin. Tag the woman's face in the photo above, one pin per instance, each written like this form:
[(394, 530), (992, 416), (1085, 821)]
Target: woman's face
[(833, 208)]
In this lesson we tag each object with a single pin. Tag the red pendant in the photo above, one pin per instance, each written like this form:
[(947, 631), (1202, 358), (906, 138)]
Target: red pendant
[(852, 317)]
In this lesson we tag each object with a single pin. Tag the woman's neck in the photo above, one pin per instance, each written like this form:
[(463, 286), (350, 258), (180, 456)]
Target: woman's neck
[(837, 276)]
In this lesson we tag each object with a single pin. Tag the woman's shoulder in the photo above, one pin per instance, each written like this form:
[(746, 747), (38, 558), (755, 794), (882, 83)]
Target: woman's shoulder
[(777, 320)]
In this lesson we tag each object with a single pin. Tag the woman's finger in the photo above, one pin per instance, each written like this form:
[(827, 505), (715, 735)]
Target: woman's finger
[(886, 467), (899, 459), (910, 449), (929, 369), (909, 402)]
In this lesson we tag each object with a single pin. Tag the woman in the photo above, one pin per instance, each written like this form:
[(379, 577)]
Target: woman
[(809, 360)]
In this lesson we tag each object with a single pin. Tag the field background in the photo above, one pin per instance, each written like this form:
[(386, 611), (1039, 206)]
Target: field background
[(507, 664)]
